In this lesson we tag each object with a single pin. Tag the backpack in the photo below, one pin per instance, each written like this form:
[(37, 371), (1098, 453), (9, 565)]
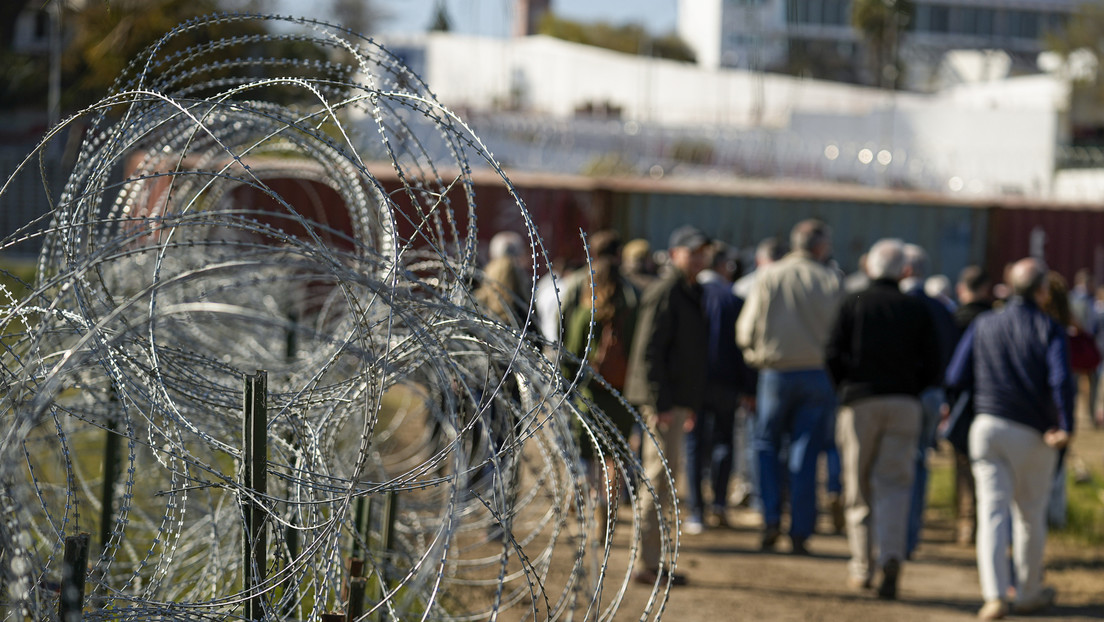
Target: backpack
[(611, 359)]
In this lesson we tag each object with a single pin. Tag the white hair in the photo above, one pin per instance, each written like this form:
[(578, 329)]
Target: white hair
[(886, 259), (916, 259), (938, 285)]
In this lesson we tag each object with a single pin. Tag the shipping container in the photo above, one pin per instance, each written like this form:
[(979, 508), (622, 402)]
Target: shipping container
[(953, 234), (1068, 237)]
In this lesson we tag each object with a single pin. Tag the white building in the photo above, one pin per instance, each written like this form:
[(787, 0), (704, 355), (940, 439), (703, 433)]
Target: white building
[(777, 34), (532, 100)]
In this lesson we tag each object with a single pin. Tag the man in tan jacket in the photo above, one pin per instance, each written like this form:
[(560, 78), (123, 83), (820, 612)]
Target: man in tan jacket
[(782, 330)]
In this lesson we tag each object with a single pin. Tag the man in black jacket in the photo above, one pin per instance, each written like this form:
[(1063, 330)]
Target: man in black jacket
[(667, 380), (974, 292), (882, 352)]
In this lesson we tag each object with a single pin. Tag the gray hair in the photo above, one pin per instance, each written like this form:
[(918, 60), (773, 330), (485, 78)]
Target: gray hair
[(916, 260), (886, 259)]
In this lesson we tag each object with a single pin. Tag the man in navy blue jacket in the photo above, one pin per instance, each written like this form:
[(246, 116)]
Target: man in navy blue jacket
[(1016, 362)]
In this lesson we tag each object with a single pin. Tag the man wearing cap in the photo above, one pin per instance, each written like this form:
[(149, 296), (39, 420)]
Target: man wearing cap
[(666, 381), (782, 330)]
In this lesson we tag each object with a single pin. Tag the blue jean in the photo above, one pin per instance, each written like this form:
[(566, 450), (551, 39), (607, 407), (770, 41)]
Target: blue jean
[(709, 447), (834, 483), (930, 401), (794, 405)]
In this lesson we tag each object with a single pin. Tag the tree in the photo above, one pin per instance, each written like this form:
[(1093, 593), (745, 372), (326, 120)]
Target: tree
[(1081, 49), (102, 37), (881, 22), (627, 38), (441, 21), (360, 16)]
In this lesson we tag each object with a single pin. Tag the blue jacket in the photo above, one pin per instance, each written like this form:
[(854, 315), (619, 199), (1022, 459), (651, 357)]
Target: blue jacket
[(1016, 362), (729, 375), (946, 334)]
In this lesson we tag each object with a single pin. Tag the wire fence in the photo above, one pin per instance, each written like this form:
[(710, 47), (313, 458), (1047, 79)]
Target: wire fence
[(219, 403)]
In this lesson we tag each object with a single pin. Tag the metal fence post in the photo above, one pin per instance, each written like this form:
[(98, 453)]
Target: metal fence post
[(255, 465), (74, 568)]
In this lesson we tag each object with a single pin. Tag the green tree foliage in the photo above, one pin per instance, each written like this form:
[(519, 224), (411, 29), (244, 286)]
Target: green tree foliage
[(1081, 46), (441, 21), (101, 37), (360, 16), (23, 77), (881, 23), (107, 34), (628, 38)]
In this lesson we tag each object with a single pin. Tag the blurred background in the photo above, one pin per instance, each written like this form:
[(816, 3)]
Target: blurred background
[(972, 127)]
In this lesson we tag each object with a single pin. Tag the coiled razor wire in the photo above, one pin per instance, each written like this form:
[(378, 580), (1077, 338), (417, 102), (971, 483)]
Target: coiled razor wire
[(419, 452)]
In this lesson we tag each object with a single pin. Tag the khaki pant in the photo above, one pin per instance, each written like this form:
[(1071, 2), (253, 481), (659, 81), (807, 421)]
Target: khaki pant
[(656, 505), (877, 439)]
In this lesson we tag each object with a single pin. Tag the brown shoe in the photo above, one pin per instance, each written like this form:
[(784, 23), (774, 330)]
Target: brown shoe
[(717, 520), (650, 577), (839, 521), (769, 538), (860, 584)]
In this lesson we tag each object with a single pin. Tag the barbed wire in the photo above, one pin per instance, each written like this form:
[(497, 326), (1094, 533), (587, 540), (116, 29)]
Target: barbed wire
[(223, 217)]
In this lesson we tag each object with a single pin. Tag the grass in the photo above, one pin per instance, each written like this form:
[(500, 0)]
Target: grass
[(1084, 510)]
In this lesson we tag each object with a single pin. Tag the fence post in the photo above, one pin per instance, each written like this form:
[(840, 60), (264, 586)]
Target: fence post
[(255, 465), (111, 473), (74, 568), (362, 524)]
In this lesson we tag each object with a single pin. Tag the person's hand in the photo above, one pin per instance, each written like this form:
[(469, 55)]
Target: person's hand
[(664, 419), (1055, 438), (689, 422)]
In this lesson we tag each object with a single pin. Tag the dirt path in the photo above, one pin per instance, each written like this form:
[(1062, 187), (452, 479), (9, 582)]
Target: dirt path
[(732, 580)]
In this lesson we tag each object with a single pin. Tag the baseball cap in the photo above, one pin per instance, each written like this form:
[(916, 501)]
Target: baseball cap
[(688, 236)]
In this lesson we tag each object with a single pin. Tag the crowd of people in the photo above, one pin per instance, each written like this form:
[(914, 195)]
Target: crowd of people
[(758, 373)]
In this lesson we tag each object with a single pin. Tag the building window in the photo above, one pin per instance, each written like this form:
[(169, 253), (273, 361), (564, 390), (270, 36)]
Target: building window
[(940, 18), (985, 21), (837, 12), (1023, 24)]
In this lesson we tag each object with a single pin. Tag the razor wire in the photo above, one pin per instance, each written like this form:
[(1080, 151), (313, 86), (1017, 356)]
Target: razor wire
[(225, 216)]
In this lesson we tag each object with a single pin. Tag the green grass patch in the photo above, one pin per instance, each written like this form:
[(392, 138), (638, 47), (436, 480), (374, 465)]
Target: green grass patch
[(1084, 509)]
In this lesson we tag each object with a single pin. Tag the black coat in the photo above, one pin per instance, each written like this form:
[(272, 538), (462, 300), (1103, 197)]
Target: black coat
[(882, 342), (668, 365)]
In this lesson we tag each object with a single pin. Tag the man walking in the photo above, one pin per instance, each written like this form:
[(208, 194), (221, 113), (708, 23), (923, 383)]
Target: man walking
[(710, 443), (974, 293), (932, 398), (881, 354), (782, 330), (666, 381), (1016, 361)]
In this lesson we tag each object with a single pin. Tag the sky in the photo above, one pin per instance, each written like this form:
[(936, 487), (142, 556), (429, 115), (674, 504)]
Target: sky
[(492, 18)]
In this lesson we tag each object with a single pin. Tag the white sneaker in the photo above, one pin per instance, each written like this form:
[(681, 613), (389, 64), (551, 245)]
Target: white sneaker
[(692, 527), (1043, 599)]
